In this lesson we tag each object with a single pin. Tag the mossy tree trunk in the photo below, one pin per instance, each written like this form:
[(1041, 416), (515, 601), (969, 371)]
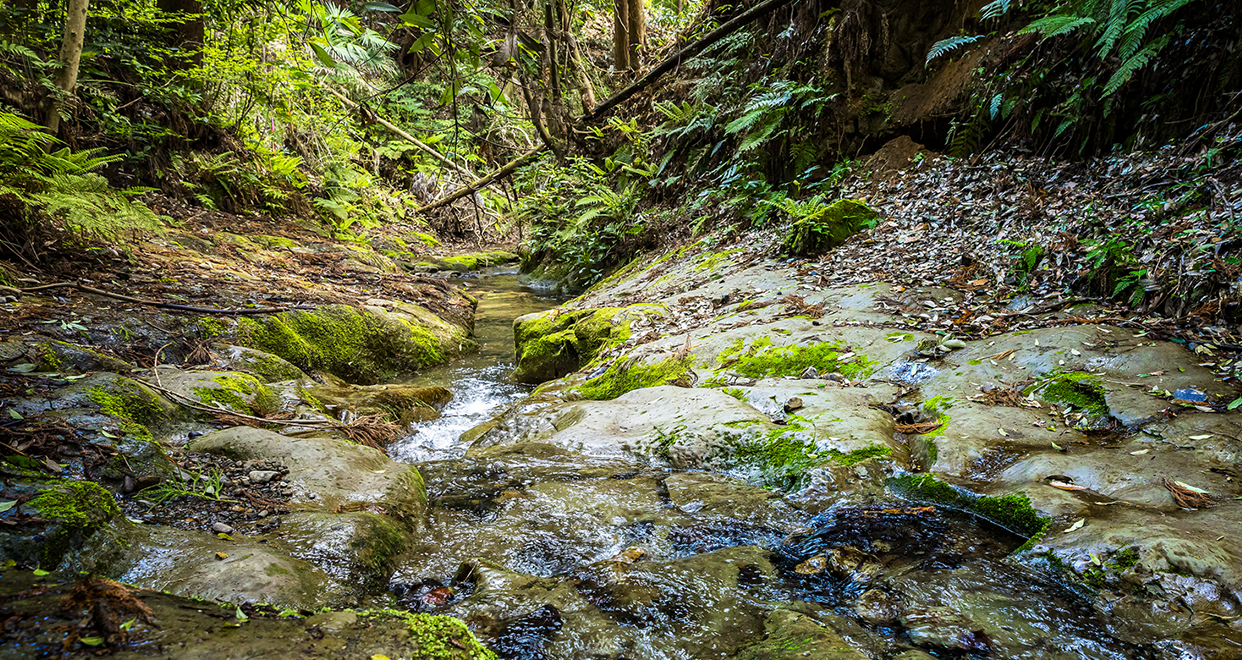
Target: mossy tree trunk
[(70, 60)]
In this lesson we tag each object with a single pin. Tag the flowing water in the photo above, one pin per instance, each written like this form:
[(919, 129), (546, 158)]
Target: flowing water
[(555, 555), (479, 381)]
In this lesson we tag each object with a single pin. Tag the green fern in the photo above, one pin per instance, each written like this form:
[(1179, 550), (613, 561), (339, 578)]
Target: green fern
[(948, 45), (1118, 27), (61, 185), (1136, 62)]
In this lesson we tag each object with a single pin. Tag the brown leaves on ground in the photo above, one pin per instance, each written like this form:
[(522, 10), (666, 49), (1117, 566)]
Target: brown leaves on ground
[(796, 305), (1187, 497), (918, 428), (1009, 395), (372, 431), (107, 602)]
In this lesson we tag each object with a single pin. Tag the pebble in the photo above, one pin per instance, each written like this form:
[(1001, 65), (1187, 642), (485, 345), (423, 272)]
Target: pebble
[(793, 404), (809, 372), (262, 476), (221, 528)]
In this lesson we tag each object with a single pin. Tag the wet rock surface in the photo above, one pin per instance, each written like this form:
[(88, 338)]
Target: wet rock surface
[(731, 461)]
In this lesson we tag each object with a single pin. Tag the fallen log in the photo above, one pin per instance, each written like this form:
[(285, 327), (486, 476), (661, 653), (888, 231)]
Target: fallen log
[(471, 188), (758, 11)]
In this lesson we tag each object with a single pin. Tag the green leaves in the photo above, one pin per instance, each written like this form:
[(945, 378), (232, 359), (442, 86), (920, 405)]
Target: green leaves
[(945, 46)]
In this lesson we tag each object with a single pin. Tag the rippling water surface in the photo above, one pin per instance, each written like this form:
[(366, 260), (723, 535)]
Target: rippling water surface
[(479, 382)]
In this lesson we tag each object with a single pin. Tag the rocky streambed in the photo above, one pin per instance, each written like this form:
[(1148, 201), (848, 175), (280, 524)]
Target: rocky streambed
[(722, 458)]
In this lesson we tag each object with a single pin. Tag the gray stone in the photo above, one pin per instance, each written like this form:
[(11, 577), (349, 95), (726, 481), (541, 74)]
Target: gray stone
[(261, 476)]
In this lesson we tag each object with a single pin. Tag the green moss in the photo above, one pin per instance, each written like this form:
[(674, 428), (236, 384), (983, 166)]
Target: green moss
[(209, 327), (241, 393), (736, 393), (760, 360), (1013, 512), (356, 345), (933, 451), (475, 261), (1125, 558), (48, 359), (828, 227), (274, 241), (437, 637), (82, 504), (713, 260), (128, 401), (378, 545), (860, 455), (77, 510), (1078, 389), (621, 378), (552, 345)]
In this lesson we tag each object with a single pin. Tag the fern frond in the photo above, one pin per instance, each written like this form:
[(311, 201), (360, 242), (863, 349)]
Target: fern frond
[(1137, 29), (947, 45), (995, 9), (1118, 18), (1055, 26), (1130, 66)]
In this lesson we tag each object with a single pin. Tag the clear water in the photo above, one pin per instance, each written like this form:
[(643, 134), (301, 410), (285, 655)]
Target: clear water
[(479, 381)]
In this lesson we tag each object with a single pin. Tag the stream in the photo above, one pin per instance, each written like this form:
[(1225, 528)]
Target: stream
[(549, 554), (480, 381)]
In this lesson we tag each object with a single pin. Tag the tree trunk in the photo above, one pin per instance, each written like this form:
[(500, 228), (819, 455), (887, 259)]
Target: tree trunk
[(620, 36), (554, 66), (187, 36), (638, 33), (70, 60)]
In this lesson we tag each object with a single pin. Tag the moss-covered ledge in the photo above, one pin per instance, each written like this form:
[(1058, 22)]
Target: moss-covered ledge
[(1013, 512), (552, 344), (361, 345)]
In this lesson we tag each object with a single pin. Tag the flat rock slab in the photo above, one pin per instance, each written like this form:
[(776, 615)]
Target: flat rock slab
[(631, 424), (328, 474)]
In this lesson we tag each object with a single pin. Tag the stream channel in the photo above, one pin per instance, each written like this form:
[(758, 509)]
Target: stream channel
[(552, 554)]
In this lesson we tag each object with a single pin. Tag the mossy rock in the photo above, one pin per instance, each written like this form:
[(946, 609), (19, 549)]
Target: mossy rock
[(467, 262), (353, 548), (1013, 512), (829, 227), (400, 403), (266, 367), (66, 357), (138, 408), (74, 511), (360, 345), (760, 359), (232, 391), (551, 344)]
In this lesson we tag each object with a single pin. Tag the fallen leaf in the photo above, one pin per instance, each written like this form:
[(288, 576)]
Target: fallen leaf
[(92, 641), (15, 415), (5, 506), (1200, 437), (1002, 432), (1076, 526), (222, 555), (1139, 452), (1064, 486)]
